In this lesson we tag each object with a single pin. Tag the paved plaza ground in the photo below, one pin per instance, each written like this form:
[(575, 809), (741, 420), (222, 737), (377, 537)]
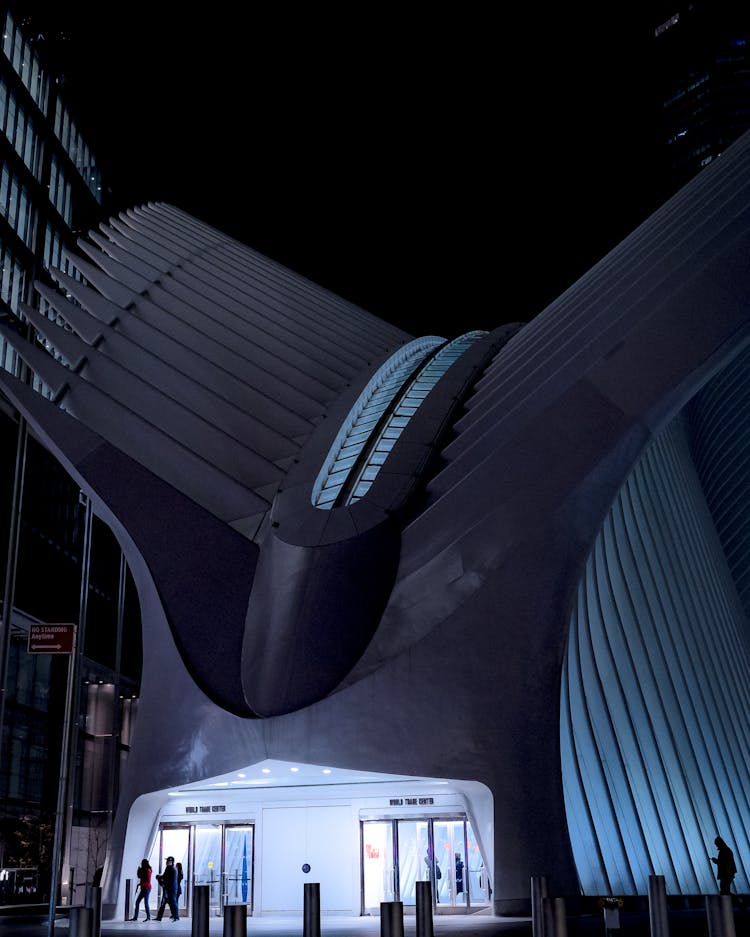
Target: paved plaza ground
[(689, 923)]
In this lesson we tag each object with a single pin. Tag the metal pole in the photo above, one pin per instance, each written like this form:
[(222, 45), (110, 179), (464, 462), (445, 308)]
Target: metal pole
[(657, 906), (11, 564), (201, 900), (311, 922), (81, 922), (77, 655), (94, 901), (62, 790), (555, 921), (538, 894), (424, 909), (391, 919), (127, 899), (720, 916), (23, 373)]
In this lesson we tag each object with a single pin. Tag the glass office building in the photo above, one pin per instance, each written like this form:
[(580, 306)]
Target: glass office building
[(58, 561)]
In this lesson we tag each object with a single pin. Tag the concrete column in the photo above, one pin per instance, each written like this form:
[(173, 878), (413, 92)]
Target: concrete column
[(311, 922), (391, 919), (538, 894), (720, 915), (657, 906), (424, 910), (235, 920), (201, 901)]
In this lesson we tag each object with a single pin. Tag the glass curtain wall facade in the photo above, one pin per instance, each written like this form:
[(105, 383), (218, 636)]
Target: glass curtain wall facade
[(58, 561), (702, 79)]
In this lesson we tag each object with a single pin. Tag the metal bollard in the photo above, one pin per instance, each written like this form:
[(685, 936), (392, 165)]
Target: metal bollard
[(94, 901), (311, 922), (657, 906), (538, 894), (391, 919), (81, 921), (201, 901), (235, 920), (424, 910), (720, 916), (555, 921), (127, 899)]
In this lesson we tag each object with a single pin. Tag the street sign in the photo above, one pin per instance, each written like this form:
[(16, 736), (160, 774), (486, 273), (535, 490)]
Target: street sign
[(51, 638)]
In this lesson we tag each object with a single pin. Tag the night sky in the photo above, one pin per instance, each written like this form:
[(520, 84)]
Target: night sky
[(448, 171)]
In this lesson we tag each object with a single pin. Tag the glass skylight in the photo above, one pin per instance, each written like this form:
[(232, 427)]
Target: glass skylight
[(380, 415)]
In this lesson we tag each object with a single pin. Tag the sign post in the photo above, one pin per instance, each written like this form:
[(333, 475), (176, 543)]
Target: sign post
[(56, 638)]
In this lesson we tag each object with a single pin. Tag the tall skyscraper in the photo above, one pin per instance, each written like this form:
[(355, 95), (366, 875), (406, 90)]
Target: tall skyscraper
[(701, 61), (58, 562)]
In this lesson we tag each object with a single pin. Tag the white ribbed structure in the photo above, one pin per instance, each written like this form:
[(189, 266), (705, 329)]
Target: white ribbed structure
[(205, 362), (523, 518), (655, 737)]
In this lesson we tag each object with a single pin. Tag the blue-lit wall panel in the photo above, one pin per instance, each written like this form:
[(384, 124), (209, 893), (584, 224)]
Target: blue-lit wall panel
[(655, 747), (720, 443)]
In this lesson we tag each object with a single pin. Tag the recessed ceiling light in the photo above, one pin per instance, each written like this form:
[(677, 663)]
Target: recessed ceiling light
[(266, 770), (326, 770), (294, 769)]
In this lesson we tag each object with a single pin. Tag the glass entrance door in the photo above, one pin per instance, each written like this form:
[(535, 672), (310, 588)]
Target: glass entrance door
[(450, 856), (173, 840), (222, 857), (238, 865), (378, 865), (396, 854), (207, 864)]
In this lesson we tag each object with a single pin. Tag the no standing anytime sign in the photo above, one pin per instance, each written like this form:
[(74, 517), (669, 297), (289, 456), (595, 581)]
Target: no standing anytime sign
[(51, 638)]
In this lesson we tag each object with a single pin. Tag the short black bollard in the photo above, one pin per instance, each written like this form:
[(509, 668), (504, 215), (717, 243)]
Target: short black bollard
[(720, 915), (94, 901), (424, 910), (127, 899), (311, 921), (201, 899), (658, 913), (555, 922), (538, 894), (235, 920), (81, 921), (391, 919)]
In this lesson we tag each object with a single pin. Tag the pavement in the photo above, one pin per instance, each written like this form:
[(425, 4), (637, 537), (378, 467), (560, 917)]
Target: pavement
[(685, 923), (477, 925)]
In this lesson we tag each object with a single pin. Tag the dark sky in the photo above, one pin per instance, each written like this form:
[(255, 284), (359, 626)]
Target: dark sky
[(445, 171)]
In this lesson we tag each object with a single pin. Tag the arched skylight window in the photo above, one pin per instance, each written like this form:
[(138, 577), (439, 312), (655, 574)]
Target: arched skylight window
[(379, 416)]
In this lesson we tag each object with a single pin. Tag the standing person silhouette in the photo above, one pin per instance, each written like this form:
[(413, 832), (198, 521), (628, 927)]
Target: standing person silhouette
[(144, 889), (180, 876), (725, 867), (459, 874), (433, 869), (169, 888)]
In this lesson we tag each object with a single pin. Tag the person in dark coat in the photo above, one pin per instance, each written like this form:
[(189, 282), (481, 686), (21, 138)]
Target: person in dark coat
[(180, 876), (169, 890), (725, 867), (459, 874)]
